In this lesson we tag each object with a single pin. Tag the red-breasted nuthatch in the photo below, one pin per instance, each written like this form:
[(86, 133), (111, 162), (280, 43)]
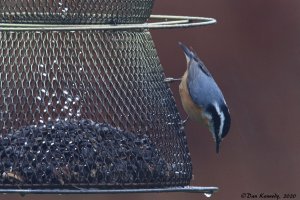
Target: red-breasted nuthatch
[(202, 99)]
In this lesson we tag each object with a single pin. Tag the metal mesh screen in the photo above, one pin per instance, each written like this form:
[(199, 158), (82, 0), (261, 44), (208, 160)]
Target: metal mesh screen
[(87, 108), (75, 11)]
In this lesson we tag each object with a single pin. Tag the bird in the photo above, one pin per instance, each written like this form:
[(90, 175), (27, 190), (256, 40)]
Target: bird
[(201, 97)]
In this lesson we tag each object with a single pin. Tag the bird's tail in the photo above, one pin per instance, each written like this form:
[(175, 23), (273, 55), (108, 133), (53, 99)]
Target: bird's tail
[(186, 50)]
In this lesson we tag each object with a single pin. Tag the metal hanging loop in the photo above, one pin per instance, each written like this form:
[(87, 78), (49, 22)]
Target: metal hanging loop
[(165, 22)]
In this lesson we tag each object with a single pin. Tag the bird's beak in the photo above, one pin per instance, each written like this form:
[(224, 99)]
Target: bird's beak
[(218, 142)]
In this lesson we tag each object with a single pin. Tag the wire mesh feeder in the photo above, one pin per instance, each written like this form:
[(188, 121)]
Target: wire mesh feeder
[(63, 94), (75, 11), (84, 109)]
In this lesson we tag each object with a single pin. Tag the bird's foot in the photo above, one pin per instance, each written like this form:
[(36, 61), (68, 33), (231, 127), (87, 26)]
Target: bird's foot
[(170, 79), (183, 122)]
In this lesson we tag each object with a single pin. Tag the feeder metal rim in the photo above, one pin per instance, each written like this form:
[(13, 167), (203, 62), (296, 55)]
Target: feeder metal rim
[(175, 22), (188, 189)]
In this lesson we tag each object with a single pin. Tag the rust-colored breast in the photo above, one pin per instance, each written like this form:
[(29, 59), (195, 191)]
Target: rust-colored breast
[(194, 111)]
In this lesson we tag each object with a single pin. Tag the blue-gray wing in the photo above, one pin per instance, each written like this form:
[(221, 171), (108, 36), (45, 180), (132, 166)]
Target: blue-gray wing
[(202, 87)]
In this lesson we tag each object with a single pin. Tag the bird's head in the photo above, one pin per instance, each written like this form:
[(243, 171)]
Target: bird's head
[(218, 120)]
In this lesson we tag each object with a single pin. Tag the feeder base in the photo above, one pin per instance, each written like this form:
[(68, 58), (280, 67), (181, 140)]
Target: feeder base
[(189, 189)]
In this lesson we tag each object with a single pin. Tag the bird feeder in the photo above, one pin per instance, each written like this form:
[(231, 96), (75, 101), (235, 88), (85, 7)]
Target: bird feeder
[(83, 103)]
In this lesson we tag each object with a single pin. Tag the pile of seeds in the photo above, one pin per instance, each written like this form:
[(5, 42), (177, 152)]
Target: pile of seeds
[(79, 152)]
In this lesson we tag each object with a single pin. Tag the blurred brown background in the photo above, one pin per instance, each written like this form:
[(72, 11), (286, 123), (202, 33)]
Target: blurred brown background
[(254, 54)]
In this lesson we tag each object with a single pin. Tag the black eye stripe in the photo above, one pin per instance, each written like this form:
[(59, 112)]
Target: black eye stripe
[(227, 120), (216, 119)]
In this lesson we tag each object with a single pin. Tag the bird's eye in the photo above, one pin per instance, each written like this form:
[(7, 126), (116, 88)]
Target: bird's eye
[(215, 118)]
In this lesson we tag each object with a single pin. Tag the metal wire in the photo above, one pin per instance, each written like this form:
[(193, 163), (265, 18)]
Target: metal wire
[(166, 22), (189, 189), (75, 11)]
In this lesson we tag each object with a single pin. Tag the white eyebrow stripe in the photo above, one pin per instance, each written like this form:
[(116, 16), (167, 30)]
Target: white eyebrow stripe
[(222, 119)]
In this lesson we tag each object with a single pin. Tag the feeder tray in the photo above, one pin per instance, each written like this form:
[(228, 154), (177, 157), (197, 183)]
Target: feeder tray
[(83, 106)]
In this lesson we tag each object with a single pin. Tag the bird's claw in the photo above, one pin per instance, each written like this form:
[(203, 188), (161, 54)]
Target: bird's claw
[(183, 122), (170, 79)]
